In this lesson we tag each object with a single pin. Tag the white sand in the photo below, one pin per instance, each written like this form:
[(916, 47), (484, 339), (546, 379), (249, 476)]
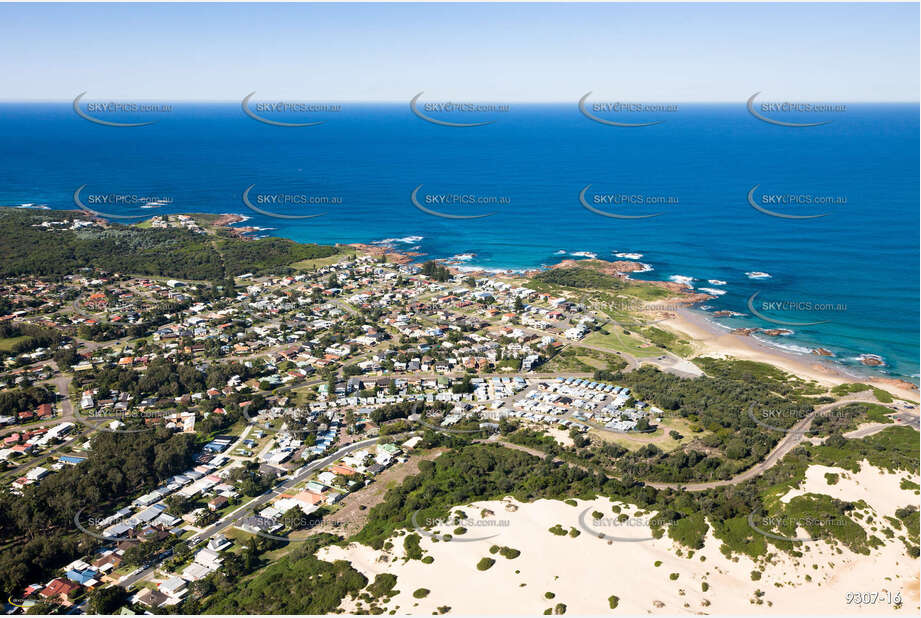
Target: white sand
[(584, 571), (874, 486), (562, 437), (711, 340)]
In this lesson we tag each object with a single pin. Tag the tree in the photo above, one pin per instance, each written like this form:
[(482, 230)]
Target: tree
[(206, 518), (181, 550), (294, 519), (578, 439), (105, 601), (464, 386)]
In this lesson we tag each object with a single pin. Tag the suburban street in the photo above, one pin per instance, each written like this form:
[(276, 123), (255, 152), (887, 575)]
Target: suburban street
[(254, 505)]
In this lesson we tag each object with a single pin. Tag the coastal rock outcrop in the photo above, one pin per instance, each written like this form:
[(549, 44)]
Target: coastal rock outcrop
[(618, 267), (776, 332), (872, 360)]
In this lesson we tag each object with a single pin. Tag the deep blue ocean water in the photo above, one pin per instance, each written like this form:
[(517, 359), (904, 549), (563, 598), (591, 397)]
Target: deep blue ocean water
[(862, 257)]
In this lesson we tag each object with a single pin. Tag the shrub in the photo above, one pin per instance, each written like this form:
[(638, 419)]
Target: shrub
[(613, 601), (412, 547), (421, 593), (484, 564), (509, 553), (383, 585)]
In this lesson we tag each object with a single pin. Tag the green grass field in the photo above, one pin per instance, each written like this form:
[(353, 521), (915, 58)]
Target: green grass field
[(616, 339), (6, 344), (345, 253)]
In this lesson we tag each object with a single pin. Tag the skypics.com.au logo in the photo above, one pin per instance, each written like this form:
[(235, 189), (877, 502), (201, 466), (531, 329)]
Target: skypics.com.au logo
[(289, 114), (794, 115), (463, 529), (125, 423), (772, 204), (618, 529), (818, 527), (617, 205), (614, 114), (119, 113), (430, 112), (120, 205), (290, 205), (284, 525), (450, 204), (797, 306)]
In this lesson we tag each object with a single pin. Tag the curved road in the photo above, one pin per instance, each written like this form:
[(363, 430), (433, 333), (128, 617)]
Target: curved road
[(791, 440)]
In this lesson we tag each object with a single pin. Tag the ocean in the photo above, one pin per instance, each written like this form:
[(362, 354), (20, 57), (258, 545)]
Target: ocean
[(847, 280)]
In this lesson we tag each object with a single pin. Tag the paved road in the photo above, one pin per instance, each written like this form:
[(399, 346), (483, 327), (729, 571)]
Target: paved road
[(795, 435), (304, 472), (791, 440), (65, 414), (65, 409), (904, 419), (253, 506), (83, 313), (912, 420)]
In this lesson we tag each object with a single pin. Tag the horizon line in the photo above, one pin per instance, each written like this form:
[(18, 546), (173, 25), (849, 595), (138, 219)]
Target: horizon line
[(472, 100)]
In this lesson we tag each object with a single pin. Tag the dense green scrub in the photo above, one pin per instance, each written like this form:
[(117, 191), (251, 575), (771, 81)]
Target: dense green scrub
[(26, 249)]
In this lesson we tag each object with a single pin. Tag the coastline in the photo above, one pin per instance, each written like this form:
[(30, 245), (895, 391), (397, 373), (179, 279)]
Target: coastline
[(711, 340)]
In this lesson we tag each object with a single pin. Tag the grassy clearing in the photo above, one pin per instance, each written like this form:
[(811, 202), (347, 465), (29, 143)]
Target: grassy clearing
[(851, 387), (7, 343), (592, 362), (618, 339), (573, 359), (669, 341), (345, 253)]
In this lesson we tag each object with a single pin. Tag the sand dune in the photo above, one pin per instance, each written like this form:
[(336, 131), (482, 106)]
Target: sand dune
[(583, 572)]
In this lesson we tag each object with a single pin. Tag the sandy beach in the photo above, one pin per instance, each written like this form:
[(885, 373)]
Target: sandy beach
[(711, 340), (647, 575)]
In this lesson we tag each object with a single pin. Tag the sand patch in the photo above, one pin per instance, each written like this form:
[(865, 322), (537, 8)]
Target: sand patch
[(584, 571)]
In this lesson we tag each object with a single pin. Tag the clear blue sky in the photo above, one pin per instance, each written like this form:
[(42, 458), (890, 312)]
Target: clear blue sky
[(509, 52)]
